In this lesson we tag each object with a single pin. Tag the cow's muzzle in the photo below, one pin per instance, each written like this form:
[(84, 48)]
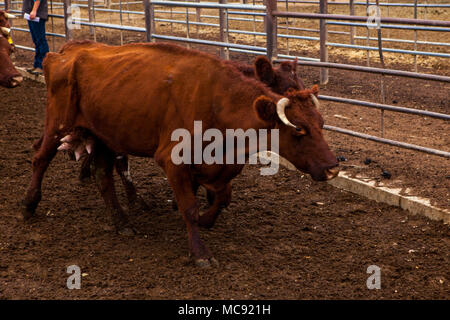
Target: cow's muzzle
[(324, 173), (331, 173), (15, 81)]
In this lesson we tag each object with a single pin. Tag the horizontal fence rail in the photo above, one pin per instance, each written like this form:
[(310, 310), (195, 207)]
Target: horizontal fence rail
[(267, 14), (422, 22), (388, 141), (381, 106), (391, 72)]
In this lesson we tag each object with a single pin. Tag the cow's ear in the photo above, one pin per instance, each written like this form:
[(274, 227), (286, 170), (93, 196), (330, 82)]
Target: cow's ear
[(295, 65), (264, 70), (315, 90), (265, 108), (289, 66)]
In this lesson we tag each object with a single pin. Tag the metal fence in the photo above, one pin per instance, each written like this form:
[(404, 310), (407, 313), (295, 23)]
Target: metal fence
[(267, 21)]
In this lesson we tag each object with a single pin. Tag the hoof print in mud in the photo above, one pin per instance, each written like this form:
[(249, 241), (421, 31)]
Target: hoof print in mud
[(128, 231), (206, 263), (139, 205)]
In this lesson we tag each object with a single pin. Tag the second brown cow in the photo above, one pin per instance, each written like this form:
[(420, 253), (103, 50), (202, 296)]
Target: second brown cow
[(134, 97), (278, 79)]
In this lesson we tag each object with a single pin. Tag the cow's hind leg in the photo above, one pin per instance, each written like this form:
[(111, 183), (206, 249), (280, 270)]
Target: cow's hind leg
[(46, 151), (219, 199), (183, 187), (135, 201), (85, 172), (103, 164)]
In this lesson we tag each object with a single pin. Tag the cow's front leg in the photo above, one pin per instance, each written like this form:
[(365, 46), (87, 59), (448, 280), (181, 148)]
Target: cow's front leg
[(195, 186), (218, 199), (184, 187), (47, 148), (103, 163), (135, 201)]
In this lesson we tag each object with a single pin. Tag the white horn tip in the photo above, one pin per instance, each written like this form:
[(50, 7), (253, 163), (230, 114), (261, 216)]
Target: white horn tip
[(283, 101), (281, 105), (315, 100), (6, 30), (10, 16)]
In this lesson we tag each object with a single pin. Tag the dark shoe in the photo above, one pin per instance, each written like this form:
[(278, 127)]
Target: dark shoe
[(37, 71)]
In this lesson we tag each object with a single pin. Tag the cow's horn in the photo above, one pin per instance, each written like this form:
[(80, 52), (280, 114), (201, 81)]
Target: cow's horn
[(315, 100), (281, 105), (10, 16), (5, 30)]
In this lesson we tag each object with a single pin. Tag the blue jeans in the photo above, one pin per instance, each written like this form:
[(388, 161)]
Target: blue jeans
[(37, 30)]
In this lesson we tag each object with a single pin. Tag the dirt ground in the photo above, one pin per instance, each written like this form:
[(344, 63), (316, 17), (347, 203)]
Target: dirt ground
[(283, 237), (406, 167)]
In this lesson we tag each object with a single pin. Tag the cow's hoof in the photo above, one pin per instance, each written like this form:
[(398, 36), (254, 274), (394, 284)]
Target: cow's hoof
[(27, 210), (207, 224), (27, 214), (84, 180), (127, 231), (139, 205), (174, 205), (206, 263)]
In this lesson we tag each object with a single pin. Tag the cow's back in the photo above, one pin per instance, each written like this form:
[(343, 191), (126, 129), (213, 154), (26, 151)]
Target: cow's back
[(147, 90)]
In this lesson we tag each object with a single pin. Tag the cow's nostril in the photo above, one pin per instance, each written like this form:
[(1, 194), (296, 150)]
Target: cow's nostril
[(332, 172), (16, 81)]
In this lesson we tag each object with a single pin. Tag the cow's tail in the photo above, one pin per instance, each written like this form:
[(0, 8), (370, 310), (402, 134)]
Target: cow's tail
[(73, 97), (37, 144), (62, 99)]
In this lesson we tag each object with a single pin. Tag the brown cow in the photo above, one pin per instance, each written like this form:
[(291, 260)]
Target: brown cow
[(279, 80), (132, 98), (9, 76)]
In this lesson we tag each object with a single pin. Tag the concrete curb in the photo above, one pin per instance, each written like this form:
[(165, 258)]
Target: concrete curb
[(391, 196), (363, 187), (368, 188)]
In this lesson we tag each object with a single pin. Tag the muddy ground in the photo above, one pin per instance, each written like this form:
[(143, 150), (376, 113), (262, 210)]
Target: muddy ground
[(425, 175), (283, 237)]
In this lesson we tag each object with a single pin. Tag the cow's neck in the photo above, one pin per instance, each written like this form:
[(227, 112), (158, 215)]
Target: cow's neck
[(238, 110)]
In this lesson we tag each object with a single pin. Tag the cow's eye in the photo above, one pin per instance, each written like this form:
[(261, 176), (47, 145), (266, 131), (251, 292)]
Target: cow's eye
[(299, 131)]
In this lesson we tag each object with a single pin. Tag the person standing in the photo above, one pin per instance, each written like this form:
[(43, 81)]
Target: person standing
[(37, 9)]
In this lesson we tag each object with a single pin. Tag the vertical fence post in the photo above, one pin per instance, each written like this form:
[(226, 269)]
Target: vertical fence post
[(91, 18), (254, 23), (271, 29), (188, 34), (287, 27), (198, 15), (53, 26), (368, 36), (152, 18), (415, 37), (7, 7), (148, 20), (223, 23), (121, 22), (382, 84), (323, 42), (352, 29), (68, 19)]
